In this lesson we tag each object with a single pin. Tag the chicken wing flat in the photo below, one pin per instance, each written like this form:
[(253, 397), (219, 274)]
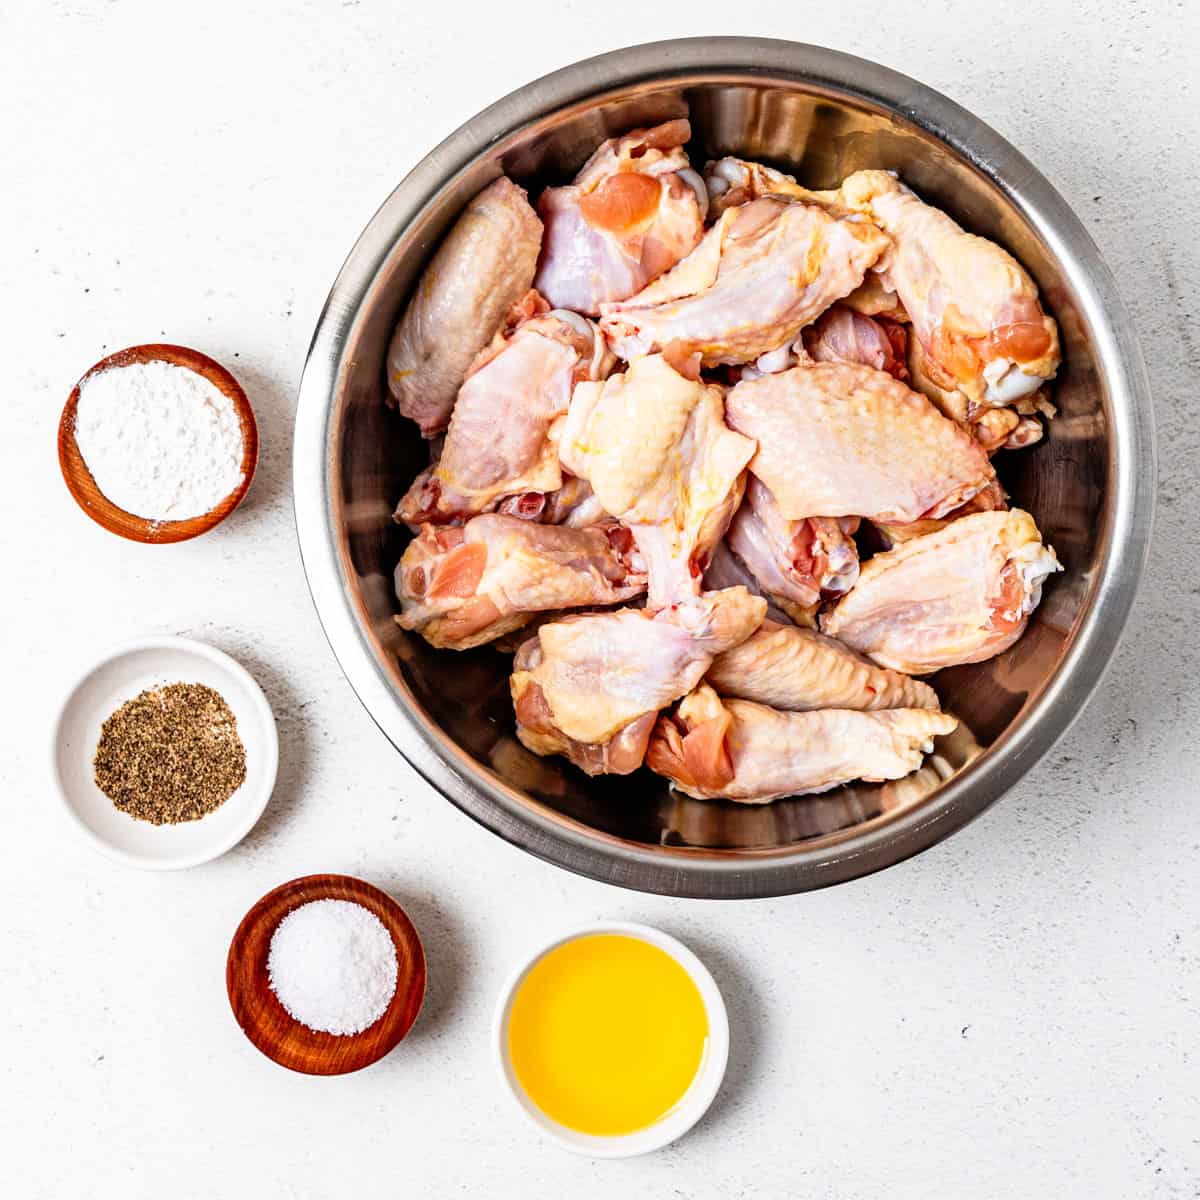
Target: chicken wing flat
[(502, 436), (461, 587), (762, 272), (734, 181), (482, 268), (738, 750), (796, 563), (960, 595), (801, 670), (634, 210), (590, 686), (836, 439), (655, 448)]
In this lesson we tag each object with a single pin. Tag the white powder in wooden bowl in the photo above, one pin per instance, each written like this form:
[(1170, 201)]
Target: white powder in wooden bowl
[(332, 963), (160, 441)]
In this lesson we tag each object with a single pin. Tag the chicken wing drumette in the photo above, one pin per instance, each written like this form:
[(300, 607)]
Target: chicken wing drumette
[(461, 587)]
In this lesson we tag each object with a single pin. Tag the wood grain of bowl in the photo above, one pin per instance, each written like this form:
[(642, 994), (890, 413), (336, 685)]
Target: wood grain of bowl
[(272, 1029), (99, 507)]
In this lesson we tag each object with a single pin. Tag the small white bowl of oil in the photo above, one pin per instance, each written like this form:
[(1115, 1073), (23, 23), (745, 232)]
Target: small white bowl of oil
[(612, 1039)]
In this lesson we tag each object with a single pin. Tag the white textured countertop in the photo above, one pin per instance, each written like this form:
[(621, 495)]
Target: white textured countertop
[(1014, 1013)]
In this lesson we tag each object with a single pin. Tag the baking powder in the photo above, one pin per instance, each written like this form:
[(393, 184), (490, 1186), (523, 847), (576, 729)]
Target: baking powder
[(332, 963), (160, 441)]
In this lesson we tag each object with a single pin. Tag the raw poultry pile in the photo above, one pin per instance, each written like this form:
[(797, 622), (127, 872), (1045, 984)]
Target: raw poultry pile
[(663, 413)]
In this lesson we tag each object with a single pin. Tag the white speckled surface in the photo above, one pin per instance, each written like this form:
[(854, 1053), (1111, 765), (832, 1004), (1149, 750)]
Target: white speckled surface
[(1016, 1013)]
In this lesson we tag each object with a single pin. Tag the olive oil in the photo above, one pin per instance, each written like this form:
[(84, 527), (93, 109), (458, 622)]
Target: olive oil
[(606, 1034)]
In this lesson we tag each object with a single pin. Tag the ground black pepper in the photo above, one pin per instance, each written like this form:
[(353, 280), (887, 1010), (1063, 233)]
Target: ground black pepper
[(171, 754)]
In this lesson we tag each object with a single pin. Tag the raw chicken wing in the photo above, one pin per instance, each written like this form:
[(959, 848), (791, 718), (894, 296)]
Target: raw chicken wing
[(839, 334), (655, 448), (734, 181), (726, 570), (835, 440), (502, 436), (634, 210), (981, 336), (842, 335), (573, 504), (482, 268), (796, 563), (591, 686), (961, 595), (765, 270), (738, 750), (461, 587), (992, 499), (801, 670)]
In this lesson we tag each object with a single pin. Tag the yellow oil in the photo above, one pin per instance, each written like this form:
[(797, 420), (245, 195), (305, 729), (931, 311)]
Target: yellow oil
[(606, 1034)]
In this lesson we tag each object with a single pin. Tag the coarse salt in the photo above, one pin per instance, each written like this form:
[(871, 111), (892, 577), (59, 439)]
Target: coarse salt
[(332, 964), (160, 440)]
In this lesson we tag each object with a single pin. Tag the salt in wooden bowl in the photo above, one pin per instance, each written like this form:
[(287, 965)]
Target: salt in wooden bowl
[(278, 1034)]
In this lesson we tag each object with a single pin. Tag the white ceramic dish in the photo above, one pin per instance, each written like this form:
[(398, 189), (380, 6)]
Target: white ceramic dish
[(119, 676), (696, 1099)]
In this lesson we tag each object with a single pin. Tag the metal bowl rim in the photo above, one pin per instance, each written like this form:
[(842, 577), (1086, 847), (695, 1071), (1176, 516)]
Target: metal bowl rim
[(1040, 723)]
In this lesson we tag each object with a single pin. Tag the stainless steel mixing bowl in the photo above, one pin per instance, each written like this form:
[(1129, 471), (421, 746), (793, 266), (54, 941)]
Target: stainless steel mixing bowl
[(821, 115)]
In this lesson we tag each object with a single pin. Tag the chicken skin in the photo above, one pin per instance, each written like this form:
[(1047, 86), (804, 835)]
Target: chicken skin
[(796, 563), (726, 570), (983, 339), (842, 335), (836, 440), (960, 595), (502, 436), (800, 670), (590, 686), (573, 504), (482, 268), (671, 552), (634, 210), (763, 272), (654, 446), (461, 587), (738, 750), (733, 181), (993, 498)]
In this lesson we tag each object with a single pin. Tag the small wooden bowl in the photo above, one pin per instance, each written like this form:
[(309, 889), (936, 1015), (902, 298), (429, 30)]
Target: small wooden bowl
[(99, 507), (269, 1025)]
